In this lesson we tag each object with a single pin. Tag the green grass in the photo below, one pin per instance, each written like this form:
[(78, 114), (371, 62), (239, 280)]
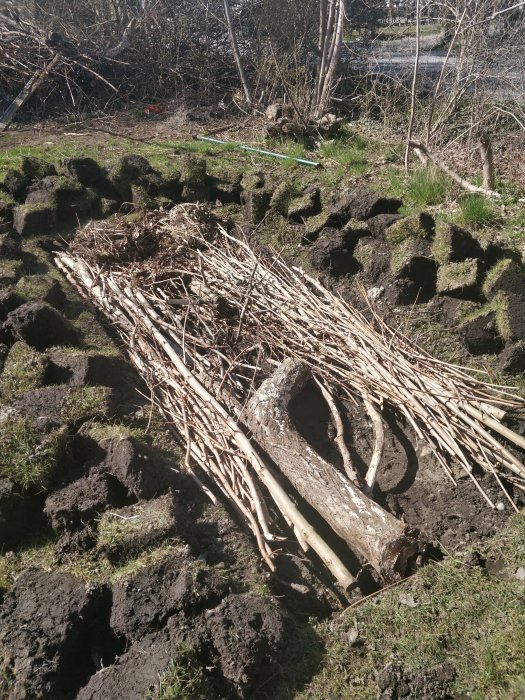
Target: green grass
[(476, 210), (184, 679), (24, 369), (85, 402), (350, 152), (427, 186), (27, 457), (462, 615)]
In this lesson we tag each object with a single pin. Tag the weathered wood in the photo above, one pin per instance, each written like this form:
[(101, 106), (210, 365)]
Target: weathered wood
[(382, 540), (29, 89)]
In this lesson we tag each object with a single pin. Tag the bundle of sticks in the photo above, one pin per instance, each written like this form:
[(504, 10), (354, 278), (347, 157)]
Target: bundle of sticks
[(227, 335)]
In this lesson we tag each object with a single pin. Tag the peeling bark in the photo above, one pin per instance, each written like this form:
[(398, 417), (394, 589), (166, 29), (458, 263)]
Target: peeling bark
[(379, 538)]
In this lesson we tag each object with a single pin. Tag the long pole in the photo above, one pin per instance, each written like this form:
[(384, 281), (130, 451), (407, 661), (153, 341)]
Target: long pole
[(240, 146)]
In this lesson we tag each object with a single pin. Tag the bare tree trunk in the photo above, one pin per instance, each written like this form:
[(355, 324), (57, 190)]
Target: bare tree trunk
[(414, 84), (487, 159), (331, 19), (237, 53), (382, 540)]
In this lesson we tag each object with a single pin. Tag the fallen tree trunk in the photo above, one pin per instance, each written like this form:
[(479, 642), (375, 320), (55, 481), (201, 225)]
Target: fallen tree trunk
[(382, 540)]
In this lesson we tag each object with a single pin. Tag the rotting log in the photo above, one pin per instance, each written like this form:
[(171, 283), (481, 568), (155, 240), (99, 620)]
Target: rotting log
[(383, 541)]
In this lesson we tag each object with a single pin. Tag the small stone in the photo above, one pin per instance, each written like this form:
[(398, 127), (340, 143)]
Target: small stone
[(500, 505), (520, 573), (374, 293), (408, 600)]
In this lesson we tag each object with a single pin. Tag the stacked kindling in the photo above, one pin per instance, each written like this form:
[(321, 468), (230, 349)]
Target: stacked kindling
[(227, 334)]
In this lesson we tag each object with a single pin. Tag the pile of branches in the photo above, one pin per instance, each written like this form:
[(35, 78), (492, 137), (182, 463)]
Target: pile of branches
[(64, 70), (226, 335), (285, 120)]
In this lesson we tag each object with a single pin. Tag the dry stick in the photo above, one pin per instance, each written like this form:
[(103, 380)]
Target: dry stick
[(465, 184), (231, 497), (379, 443), (339, 439), (285, 504)]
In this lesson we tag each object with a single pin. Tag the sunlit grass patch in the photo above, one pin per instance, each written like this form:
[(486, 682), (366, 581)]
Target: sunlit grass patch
[(427, 186), (476, 210)]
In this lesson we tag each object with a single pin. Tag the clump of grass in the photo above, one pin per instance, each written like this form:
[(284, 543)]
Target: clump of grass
[(85, 402), (24, 369), (476, 210), (350, 153), (184, 679), (29, 457), (427, 186)]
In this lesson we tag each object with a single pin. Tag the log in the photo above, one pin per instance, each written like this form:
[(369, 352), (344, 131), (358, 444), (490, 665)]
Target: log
[(380, 539)]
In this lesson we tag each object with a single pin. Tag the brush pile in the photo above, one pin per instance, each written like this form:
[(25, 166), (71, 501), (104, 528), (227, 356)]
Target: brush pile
[(226, 335)]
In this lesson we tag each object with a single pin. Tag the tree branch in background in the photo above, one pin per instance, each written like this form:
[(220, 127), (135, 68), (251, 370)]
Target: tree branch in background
[(237, 53), (29, 89), (331, 18), (465, 184), (414, 83)]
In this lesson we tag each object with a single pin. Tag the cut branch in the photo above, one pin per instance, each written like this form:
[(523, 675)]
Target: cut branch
[(465, 184)]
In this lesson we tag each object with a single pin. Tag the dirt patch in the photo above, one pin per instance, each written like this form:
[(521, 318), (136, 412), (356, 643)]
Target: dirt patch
[(395, 683), (247, 634), (414, 487), (83, 499), (144, 603), (53, 627)]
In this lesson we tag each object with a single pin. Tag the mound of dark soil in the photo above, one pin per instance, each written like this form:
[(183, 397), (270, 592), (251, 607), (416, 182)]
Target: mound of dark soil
[(52, 627)]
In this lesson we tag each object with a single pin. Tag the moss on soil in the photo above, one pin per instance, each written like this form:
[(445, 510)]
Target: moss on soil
[(283, 195), (29, 457), (34, 287), (442, 243), (10, 272), (95, 338), (184, 679), (24, 369), (453, 276), (112, 431)]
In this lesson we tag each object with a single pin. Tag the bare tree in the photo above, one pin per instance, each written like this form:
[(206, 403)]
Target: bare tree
[(331, 19), (237, 53)]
